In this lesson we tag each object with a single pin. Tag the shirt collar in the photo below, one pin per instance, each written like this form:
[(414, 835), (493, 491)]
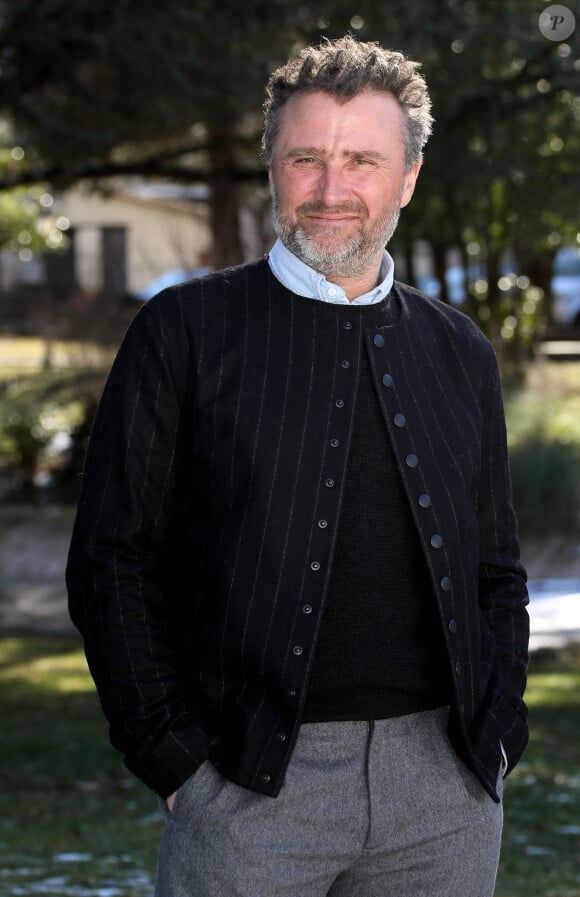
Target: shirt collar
[(298, 277)]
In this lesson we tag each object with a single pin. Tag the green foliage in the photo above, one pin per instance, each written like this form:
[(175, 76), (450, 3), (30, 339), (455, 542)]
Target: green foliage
[(546, 486), (543, 420), (45, 419), (95, 90), (26, 222), (25, 225), (97, 80)]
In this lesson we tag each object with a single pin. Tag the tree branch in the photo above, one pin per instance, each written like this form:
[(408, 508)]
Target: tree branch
[(149, 168)]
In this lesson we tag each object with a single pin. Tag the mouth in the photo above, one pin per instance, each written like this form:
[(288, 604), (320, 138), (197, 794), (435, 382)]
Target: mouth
[(330, 220), (320, 215)]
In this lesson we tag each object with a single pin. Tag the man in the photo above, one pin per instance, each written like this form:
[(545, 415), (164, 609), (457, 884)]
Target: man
[(295, 562)]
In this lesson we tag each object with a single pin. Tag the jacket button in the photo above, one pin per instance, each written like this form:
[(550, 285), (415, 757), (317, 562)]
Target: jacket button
[(347, 325), (458, 669), (399, 419), (335, 443), (452, 627), (436, 541), (345, 364), (323, 524), (281, 736), (265, 778), (297, 650), (315, 566), (339, 403), (424, 501), (387, 380), (446, 584), (307, 609), (290, 693), (411, 460), (379, 340), (329, 482)]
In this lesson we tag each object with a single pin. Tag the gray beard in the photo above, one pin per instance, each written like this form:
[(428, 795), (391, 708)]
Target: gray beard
[(350, 258)]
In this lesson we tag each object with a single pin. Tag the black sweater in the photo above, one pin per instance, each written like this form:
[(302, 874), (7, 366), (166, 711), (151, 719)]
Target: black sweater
[(380, 651)]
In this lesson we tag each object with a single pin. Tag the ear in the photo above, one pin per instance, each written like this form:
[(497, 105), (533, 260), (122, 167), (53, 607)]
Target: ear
[(409, 181), (271, 181)]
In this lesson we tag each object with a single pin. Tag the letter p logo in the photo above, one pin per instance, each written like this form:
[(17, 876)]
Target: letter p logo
[(557, 23)]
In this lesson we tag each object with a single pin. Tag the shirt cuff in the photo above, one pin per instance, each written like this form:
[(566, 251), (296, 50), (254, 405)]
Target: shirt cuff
[(504, 758)]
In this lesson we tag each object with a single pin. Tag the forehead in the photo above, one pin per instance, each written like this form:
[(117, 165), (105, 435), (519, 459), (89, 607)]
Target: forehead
[(371, 120)]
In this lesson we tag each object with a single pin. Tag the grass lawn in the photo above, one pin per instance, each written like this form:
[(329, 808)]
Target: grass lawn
[(543, 422), (541, 848), (73, 824), (548, 402), (23, 353)]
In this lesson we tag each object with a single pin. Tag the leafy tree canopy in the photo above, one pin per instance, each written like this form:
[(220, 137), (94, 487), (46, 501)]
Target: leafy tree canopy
[(101, 87)]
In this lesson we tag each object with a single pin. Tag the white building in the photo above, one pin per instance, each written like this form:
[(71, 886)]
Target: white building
[(119, 238)]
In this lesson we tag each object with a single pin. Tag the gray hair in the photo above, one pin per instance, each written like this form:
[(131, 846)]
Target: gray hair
[(343, 69)]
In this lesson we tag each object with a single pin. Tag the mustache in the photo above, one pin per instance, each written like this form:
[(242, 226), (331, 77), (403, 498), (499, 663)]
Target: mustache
[(345, 208)]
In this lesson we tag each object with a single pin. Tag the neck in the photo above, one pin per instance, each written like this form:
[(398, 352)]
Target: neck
[(358, 284)]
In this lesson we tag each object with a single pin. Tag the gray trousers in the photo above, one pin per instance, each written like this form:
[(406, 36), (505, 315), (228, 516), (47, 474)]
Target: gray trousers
[(368, 809)]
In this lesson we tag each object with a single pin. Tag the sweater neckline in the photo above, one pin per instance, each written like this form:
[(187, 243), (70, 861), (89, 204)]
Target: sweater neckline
[(386, 313)]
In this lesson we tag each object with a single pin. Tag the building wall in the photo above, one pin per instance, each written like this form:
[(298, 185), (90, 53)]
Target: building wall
[(159, 235)]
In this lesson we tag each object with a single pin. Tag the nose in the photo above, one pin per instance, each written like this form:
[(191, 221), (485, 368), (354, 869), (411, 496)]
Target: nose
[(332, 188)]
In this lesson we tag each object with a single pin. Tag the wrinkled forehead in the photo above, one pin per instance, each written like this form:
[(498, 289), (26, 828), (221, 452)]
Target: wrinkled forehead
[(371, 121)]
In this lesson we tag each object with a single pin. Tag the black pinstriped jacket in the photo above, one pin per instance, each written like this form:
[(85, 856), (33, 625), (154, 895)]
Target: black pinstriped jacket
[(211, 499)]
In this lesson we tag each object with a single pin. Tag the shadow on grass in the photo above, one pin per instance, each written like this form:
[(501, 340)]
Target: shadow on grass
[(72, 819), (540, 856), (17, 649)]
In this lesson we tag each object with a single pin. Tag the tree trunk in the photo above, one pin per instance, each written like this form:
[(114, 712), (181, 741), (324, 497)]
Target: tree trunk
[(224, 204), (409, 260), (539, 268), (439, 258), (493, 301), (470, 301)]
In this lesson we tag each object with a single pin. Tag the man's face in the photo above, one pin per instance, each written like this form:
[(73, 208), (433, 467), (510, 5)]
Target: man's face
[(338, 179)]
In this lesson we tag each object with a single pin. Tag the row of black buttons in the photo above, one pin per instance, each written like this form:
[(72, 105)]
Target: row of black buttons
[(424, 500), (322, 523), (315, 566)]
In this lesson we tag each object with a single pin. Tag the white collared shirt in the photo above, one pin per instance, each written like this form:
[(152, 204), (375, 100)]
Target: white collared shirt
[(298, 277)]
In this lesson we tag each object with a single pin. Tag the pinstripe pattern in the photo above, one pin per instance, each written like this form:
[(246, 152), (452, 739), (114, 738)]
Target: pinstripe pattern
[(211, 499)]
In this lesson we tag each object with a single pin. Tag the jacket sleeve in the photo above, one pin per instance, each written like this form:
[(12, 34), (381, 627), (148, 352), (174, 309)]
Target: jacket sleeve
[(503, 595), (118, 598)]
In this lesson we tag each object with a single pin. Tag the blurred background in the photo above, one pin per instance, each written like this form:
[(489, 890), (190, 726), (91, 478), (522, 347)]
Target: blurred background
[(130, 160)]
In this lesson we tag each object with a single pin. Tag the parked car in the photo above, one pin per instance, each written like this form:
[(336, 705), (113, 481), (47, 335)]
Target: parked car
[(169, 279), (455, 280), (566, 287)]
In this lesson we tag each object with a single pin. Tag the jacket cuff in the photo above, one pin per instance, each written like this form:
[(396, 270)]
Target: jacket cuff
[(504, 759), (172, 761), (513, 731)]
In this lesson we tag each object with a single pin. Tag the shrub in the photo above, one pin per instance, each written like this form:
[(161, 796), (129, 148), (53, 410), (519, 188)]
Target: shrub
[(45, 419), (546, 485)]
